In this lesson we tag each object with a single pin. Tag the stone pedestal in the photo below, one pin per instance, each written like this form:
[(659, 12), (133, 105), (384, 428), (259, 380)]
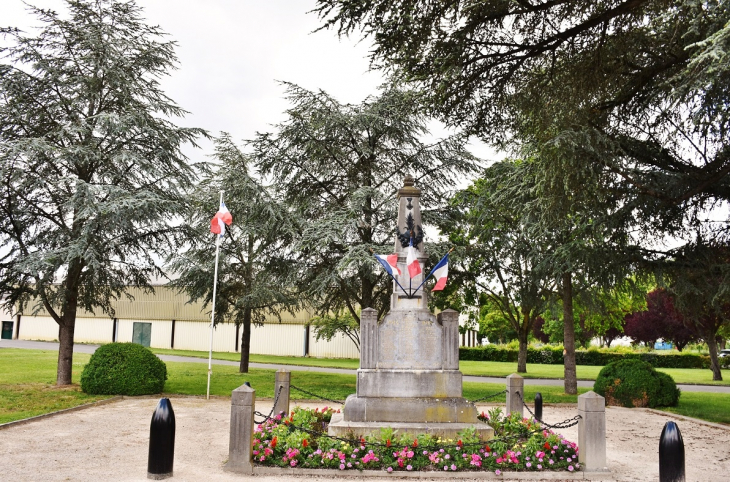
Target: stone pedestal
[(409, 375)]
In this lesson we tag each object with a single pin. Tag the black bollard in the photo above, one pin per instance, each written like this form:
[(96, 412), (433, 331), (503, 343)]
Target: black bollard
[(538, 406), (671, 454), (162, 441)]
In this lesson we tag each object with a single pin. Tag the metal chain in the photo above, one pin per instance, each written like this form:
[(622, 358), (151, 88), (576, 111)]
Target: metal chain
[(506, 438), (487, 397), (571, 422), (273, 407), (317, 396)]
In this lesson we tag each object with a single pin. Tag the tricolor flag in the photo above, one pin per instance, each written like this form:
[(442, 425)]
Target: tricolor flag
[(414, 267), (390, 263), (220, 220), (440, 272)]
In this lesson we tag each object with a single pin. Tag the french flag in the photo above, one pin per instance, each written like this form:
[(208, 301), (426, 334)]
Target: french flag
[(390, 263), (414, 267), (440, 272), (220, 220)]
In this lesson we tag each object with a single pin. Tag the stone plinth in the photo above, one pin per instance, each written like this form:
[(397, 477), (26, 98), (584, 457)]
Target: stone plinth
[(342, 428)]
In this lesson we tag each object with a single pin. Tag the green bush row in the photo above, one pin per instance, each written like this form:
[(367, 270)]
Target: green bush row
[(550, 355)]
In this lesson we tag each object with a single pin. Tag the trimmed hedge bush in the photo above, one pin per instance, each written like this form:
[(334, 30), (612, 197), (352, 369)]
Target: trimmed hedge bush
[(635, 383), (550, 355), (123, 369)]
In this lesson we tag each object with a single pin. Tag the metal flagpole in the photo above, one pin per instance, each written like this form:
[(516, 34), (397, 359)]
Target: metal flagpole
[(212, 314)]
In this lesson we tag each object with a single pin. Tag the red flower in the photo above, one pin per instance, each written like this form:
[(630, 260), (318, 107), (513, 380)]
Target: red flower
[(460, 443), (415, 442), (547, 445), (273, 442), (362, 441), (486, 447), (304, 443), (387, 443)]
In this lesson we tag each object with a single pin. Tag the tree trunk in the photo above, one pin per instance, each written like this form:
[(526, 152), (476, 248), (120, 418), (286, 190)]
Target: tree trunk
[(571, 379), (65, 352), (522, 354), (714, 363), (67, 324), (523, 334), (245, 341)]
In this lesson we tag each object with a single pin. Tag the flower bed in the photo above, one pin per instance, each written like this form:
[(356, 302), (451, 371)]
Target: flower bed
[(300, 440)]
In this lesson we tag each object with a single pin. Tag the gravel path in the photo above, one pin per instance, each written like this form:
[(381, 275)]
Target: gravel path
[(110, 442)]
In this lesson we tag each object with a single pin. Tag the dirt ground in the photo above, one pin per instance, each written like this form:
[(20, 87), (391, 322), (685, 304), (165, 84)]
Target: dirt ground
[(110, 442)]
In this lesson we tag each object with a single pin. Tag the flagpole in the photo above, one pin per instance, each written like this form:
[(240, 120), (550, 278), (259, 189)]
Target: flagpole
[(212, 314)]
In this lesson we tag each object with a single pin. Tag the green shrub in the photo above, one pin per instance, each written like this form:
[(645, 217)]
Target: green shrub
[(635, 383), (123, 369), (552, 355)]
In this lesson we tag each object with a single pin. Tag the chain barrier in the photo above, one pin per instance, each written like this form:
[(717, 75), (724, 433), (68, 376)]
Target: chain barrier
[(358, 442), (341, 402), (487, 397), (273, 407), (571, 422)]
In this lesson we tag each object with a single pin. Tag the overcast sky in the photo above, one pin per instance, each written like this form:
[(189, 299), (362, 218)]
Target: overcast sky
[(232, 53)]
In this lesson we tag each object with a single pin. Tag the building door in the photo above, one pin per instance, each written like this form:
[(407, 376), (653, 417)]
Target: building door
[(7, 330), (141, 333)]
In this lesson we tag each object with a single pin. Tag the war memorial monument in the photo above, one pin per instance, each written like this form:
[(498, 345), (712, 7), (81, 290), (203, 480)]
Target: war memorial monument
[(409, 376)]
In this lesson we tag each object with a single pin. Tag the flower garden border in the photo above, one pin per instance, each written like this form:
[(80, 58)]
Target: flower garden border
[(592, 441)]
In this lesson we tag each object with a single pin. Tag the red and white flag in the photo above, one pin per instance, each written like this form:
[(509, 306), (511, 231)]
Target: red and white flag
[(414, 267), (441, 272), (220, 220)]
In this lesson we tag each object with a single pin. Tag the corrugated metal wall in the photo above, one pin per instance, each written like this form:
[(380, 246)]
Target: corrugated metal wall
[(284, 339), (339, 347)]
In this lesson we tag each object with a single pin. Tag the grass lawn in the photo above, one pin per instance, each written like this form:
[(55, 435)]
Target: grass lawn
[(479, 368), (27, 387), (27, 384)]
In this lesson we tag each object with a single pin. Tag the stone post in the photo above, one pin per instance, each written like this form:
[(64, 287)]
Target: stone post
[(515, 394), (282, 382), (369, 338), (243, 400), (449, 321), (592, 432)]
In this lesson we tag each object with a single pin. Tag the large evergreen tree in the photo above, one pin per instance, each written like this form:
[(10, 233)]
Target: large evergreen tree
[(253, 254), (90, 164), (338, 168), (627, 98)]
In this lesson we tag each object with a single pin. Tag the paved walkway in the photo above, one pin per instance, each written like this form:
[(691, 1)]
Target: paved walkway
[(78, 348)]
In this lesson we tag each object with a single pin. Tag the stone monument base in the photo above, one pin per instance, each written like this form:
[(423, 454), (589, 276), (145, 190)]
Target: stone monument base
[(409, 409), (340, 428)]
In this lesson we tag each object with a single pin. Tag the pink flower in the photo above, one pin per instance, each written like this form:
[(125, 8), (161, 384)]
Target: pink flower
[(497, 472), (342, 466), (528, 465), (446, 467), (390, 469), (293, 463), (539, 466), (410, 467), (453, 467)]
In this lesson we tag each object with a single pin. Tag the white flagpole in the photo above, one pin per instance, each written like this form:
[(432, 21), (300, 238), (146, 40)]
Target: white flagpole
[(212, 314)]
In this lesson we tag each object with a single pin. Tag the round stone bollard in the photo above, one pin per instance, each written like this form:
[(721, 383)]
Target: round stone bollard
[(671, 454), (162, 441), (538, 406)]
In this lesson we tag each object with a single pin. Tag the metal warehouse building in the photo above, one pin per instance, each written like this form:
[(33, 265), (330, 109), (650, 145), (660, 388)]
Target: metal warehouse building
[(165, 319)]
